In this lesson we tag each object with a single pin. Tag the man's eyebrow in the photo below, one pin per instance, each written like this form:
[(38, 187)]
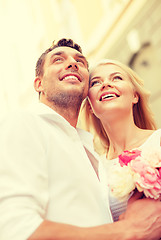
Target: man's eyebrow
[(63, 53), (83, 57), (80, 55), (57, 53)]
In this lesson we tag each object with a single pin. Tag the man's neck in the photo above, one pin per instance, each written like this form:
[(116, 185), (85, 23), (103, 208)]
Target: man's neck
[(70, 114)]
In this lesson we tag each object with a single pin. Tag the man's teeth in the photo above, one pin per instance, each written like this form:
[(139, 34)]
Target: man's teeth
[(70, 77), (110, 95)]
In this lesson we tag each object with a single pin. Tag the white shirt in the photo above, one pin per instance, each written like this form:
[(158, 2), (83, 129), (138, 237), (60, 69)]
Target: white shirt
[(45, 174)]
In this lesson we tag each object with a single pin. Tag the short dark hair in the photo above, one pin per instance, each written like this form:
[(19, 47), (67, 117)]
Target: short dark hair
[(61, 43)]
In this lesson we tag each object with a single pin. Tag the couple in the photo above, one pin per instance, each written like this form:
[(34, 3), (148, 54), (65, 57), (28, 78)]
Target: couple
[(50, 185)]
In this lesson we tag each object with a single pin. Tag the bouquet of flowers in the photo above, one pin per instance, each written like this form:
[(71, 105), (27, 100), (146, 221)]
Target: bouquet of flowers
[(139, 170)]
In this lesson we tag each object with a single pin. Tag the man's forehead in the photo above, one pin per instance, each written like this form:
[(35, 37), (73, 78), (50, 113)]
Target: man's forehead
[(64, 50)]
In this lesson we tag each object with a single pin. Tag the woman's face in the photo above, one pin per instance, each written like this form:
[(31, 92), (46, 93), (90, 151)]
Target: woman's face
[(110, 91)]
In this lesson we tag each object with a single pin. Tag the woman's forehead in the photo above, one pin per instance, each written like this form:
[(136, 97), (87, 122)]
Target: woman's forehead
[(107, 68)]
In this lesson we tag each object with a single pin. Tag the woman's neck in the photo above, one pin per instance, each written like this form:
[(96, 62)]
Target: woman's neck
[(123, 135)]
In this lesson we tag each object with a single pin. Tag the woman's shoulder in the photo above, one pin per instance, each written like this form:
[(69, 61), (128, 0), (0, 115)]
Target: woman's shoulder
[(153, 138)]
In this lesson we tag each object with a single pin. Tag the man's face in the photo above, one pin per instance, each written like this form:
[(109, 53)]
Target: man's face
[(65, 74)]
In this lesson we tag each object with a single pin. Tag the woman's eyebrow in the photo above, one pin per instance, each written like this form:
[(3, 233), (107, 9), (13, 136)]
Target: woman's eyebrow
[(95, 77), (114, 73), (99, 77)]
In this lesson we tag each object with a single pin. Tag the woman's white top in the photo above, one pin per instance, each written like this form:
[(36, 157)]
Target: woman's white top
[(117, 207)]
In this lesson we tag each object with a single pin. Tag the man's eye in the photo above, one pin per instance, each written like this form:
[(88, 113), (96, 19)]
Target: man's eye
[(80, 61), (57, 59)]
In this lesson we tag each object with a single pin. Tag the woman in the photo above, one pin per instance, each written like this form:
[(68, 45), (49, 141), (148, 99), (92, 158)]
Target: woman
[(117, 113)]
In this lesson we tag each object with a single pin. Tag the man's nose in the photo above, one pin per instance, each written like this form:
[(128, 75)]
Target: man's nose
[(72, 64)]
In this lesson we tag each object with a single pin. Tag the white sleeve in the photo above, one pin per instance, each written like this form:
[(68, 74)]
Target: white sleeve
[(23, 178)]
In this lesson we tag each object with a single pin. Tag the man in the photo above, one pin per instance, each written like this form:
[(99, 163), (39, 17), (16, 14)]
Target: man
[(50, 187)]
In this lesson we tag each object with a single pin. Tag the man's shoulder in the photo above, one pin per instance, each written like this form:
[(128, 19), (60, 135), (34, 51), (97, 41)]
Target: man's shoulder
[(24, 115), (20, 119)]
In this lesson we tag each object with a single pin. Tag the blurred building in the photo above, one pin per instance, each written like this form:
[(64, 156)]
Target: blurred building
[(126, 30)]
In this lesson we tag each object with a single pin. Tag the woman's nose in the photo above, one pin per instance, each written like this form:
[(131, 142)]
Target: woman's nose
[(107, 84)]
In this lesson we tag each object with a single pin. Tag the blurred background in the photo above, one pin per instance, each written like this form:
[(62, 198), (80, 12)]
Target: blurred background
[(126, 30)]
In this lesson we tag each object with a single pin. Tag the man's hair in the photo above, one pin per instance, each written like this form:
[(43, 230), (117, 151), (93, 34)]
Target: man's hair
[(61, 43)]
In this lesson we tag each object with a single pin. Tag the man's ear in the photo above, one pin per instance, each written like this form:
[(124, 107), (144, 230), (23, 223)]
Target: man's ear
[(38, 84), (90, 108)]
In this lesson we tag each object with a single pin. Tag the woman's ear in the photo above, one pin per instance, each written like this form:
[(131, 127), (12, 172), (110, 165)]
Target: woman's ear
[(136, 98), (38, 84)]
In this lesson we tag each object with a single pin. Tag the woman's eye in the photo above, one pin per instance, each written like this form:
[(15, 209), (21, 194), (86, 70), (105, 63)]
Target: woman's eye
[(118, 78), (94, 83)]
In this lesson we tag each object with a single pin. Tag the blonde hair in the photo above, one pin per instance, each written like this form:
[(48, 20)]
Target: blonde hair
[(143, 116)]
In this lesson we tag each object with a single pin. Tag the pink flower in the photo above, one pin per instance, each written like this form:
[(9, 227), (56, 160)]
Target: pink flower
[(138, 165), (160, 172), (143, 172), (147, 178), (128, 156), (153, 191)]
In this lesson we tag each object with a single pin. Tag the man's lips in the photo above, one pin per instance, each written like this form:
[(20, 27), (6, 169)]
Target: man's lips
[(71, 77), (108, 95)]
